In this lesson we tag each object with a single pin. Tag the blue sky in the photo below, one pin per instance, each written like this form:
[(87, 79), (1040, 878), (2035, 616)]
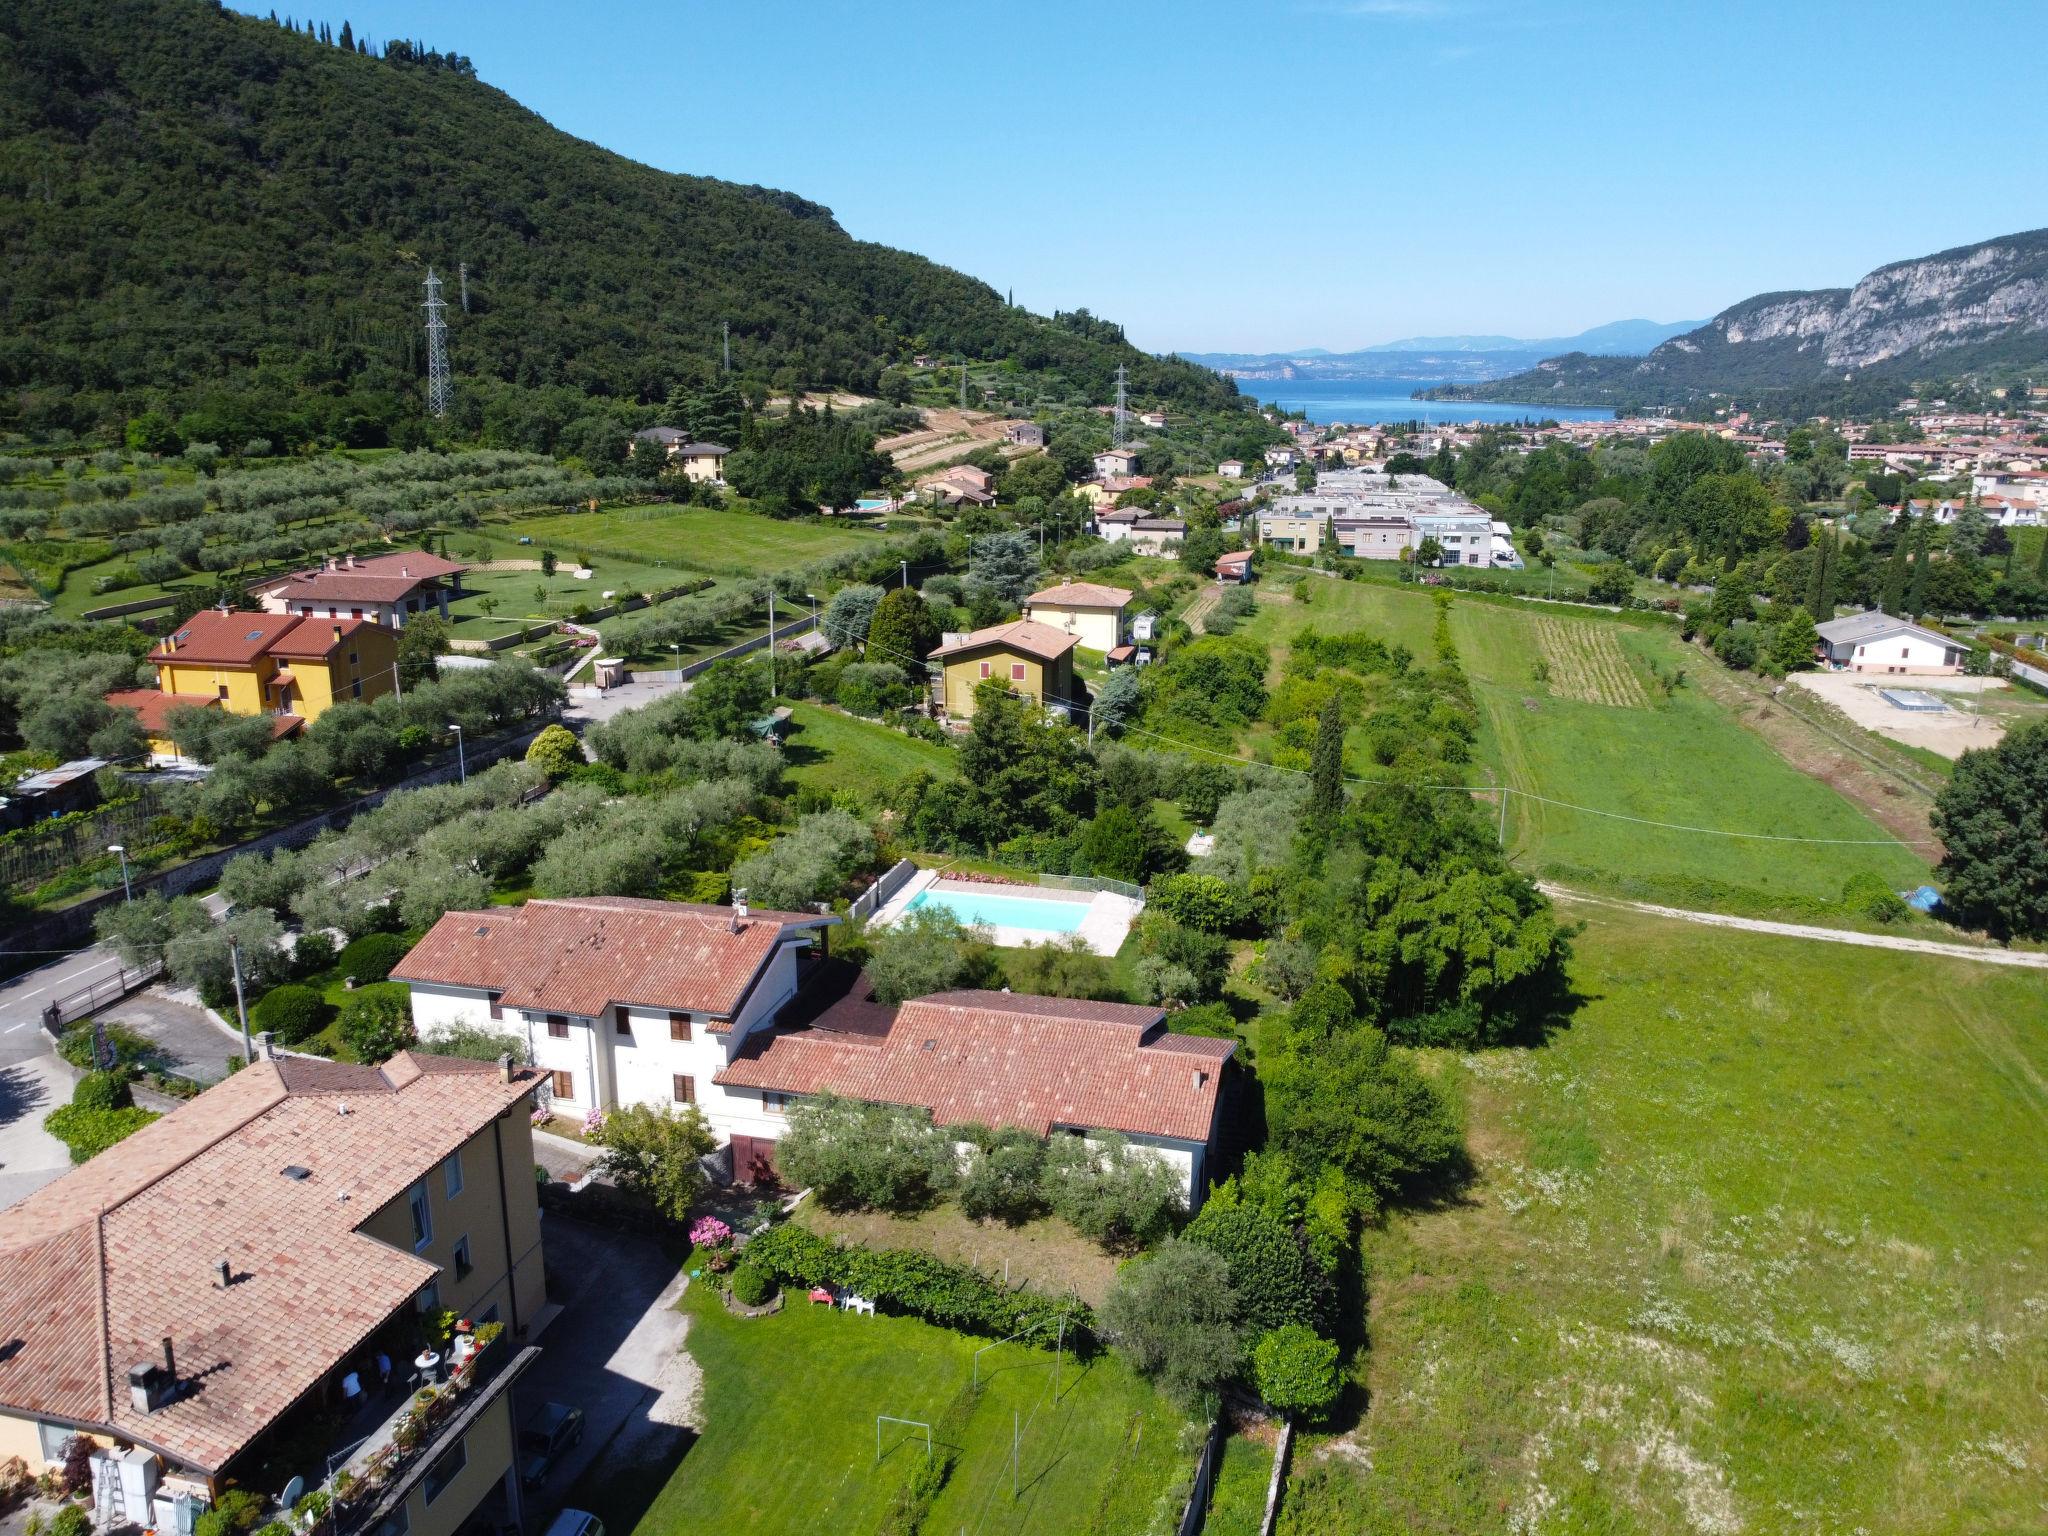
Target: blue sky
[(1245, 176)]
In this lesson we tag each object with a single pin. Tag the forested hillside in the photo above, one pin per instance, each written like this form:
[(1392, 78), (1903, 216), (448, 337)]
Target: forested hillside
[(214, 215)]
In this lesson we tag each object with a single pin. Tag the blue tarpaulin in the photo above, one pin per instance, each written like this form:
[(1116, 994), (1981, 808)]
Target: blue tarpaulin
[(1925, 899)]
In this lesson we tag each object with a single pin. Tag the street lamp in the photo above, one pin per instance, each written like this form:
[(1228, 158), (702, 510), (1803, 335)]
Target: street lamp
[(906, 571), (814, 610), (461, 759), (677, 647), (128, 890)]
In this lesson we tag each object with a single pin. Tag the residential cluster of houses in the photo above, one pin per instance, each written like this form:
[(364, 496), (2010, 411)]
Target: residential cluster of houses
[(1370, 515), (324, 636), (1033, 656)]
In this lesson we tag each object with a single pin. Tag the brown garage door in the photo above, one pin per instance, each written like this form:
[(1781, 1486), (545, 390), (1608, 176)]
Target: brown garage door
[(753, 1160)]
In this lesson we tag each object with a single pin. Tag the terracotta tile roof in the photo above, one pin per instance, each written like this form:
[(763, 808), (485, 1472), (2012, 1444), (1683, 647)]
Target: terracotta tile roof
[(379, 579), (152, 708), (1025, 635), (1004, 1059), (230, 639), (584, 956), (97, 1269), (1082, 594), (316, 639)]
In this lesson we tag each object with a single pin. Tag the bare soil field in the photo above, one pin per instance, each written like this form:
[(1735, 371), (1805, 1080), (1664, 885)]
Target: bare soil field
[(1981, 709), (946, 435)]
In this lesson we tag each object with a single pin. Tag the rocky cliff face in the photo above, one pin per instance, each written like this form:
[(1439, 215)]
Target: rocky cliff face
[(1945, 315)]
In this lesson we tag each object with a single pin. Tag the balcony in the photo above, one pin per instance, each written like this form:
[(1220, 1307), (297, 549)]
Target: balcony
[(381, 1471)]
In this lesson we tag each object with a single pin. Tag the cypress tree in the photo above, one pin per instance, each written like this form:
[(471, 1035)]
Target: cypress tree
[(348, 38), (1916, 591), (1892, 598), (2041, 560), (1326, 764), (1820, 600)]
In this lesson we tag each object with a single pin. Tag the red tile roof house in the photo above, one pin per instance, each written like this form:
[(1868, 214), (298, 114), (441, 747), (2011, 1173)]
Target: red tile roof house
[(386, 589), (620, 1000), (1046, 1064), (208, 1298)]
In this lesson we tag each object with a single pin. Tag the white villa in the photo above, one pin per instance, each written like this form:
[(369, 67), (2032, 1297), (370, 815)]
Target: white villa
[(1877, 642), (629, 1001)]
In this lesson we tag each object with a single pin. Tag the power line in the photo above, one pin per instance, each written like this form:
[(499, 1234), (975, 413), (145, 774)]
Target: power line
[(437, 348)]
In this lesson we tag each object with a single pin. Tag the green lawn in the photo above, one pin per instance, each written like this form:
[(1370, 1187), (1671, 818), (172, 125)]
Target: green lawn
[(1238, 1503), (829, 750), (1758, 1243), (789, 1411), (1680, 759), (633, 546)]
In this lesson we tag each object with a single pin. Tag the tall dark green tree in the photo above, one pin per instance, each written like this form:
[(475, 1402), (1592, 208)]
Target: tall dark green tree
[(1892, 595), (1992, 817), (1820, 588), (1916, 586), (1326, 763)]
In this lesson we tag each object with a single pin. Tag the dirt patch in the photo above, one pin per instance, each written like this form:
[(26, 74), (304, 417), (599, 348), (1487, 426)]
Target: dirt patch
[(1047, 1255), (1586, 663), (1974, 717), (1897, 804)]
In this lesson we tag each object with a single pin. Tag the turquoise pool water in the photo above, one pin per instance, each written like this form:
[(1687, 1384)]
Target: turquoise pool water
[(1006, 911), (872, 504)]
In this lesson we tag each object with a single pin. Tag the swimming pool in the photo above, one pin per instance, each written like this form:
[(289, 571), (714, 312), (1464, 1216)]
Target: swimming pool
[(988, 909), (872, 504)]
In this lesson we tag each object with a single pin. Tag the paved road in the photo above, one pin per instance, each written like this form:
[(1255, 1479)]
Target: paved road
[(2027, 958), (615, 1352)]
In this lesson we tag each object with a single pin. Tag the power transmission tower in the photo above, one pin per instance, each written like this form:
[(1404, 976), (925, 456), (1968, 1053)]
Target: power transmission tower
[(462, 271), (1118, 430), (725, 333), (437, 348)]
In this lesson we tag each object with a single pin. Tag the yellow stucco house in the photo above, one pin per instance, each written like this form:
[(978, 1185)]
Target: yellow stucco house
[(1029, 658), (203, 1342), (1092, 614), (287, 665)]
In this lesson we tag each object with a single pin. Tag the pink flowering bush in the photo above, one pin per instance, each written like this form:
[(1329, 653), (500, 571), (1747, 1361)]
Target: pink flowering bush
[(709, 1232), (593, 1122)]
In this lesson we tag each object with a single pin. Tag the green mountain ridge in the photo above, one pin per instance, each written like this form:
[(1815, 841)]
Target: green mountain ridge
[(1973, 309), (205, 212)]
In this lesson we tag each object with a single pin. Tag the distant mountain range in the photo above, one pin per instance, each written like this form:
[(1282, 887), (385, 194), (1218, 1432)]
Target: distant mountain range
[(1446, 357), (1976, 309)]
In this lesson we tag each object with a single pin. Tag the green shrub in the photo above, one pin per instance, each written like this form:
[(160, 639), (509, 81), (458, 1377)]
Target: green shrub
[(292, 1013), (376, 1021), (1122, 1199), (1276, 1279), (1867, 895), (752, 1285), (1295, 1370), (1201, 901), (102, 1090), (1003, 1178), (313, 955), (950, 1295), (235, 1511), (71, 1520), (371, 957), (89, 1132), (857, 1156)]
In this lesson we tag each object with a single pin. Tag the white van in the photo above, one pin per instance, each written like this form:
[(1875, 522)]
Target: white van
[(576, 1522)]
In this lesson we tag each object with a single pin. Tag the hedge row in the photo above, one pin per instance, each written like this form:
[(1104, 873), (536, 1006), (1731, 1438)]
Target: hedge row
[(951, 1295)]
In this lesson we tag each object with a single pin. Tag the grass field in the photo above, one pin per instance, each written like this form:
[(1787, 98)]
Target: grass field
[(1759, 1243), (789, 1445), (1600, 733), (829, 750), (633, 546)]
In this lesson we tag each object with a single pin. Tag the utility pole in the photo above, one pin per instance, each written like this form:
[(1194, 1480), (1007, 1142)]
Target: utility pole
[(437, 348), (241, 1012), (771, 642), (462, 271), (725, 342), (963, 383), (906, 571), (1118, 430)]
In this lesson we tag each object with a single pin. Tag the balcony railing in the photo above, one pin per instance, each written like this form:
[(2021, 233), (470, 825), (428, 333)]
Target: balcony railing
[(382, 1470)]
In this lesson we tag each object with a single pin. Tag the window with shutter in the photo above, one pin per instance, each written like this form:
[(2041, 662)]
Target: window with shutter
[(679, 1026), (685, 1089), (558, 1027), (564, 1084)]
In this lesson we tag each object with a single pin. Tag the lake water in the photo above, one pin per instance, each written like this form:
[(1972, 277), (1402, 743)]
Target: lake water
[(1370, 401)]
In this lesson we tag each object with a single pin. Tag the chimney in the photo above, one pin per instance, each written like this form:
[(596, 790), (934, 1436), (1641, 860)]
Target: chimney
[(739, 909), (223, 1273), (505, 1067), (264, 1049), (170, 1360), (337, 632), (1201, 1077), (404, 570)]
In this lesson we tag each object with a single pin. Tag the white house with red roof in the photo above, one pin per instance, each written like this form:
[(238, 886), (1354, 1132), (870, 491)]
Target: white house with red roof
[(385, 589), (618, 1000), (625, 1001)]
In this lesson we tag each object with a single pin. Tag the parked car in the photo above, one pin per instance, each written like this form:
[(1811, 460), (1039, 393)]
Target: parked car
[(548, 1431), (576, 1522)]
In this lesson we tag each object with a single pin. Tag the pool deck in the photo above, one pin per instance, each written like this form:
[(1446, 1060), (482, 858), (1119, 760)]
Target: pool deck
[(1104, 928)]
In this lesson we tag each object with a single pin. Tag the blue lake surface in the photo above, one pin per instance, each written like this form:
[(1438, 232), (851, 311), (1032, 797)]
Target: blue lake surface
[(1006, 911), (1371, 401)]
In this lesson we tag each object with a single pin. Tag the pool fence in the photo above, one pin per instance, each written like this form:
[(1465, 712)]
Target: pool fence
[(871, 900)]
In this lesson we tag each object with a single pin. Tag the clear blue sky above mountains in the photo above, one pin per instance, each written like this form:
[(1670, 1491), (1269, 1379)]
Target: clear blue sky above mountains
[(1242, 176)]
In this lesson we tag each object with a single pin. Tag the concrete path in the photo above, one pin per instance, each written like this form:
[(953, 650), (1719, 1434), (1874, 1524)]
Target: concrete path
[(194, 1042), (616, 1352), (1987, 956)]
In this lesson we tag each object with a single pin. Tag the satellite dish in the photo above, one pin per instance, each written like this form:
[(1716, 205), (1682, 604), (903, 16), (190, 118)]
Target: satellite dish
[(293, 1492)]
